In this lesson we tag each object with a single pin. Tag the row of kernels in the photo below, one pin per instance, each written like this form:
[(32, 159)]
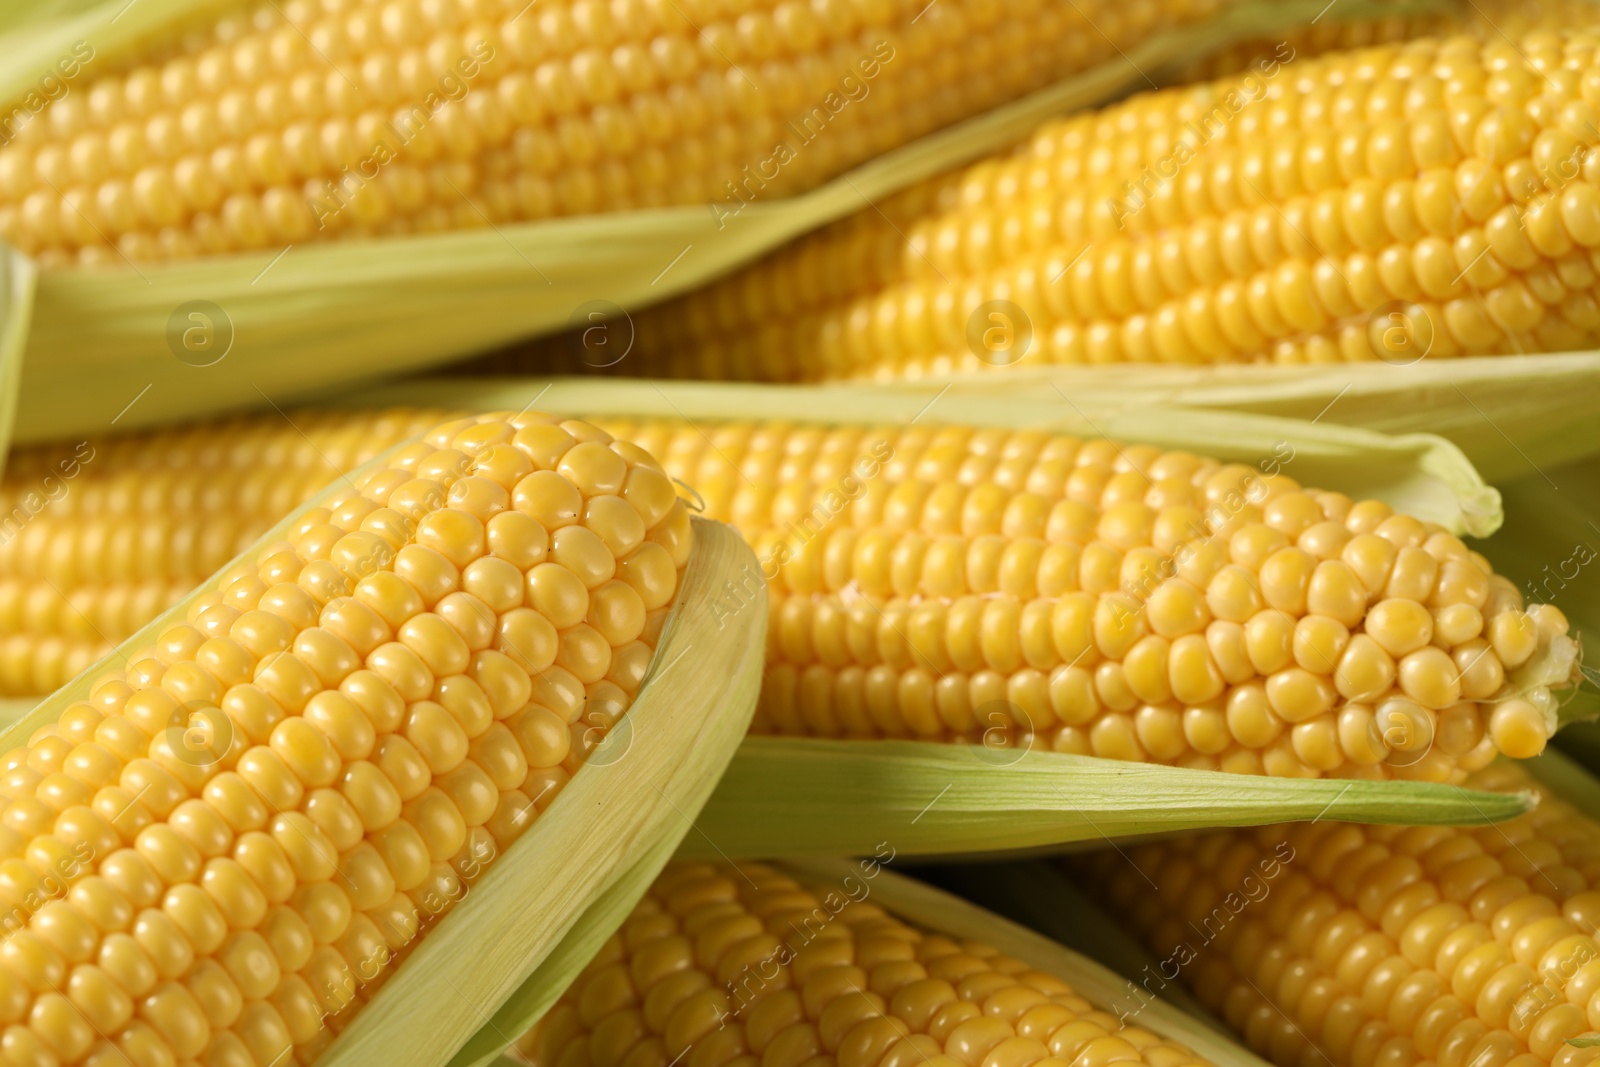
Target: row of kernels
[(1098, 713), (1299, 312), (1006, 633)]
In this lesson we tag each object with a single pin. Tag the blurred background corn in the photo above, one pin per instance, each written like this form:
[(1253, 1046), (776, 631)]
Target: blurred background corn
[(1437, 197), (1339, 944), (228, 847), (1480, 18), (284, 123), (98, 537), (1021, 589), (734, 966)]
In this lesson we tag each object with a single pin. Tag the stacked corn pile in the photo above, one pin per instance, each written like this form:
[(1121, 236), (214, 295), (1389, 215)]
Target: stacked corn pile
[(1432, 197), (1341, 944), (312, 120)]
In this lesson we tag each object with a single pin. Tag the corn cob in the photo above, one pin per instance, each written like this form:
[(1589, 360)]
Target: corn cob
[(1023, 589), (727, 966), (312, 120), (1437, 197), (224, 851), (98, 537), (1340, 944)]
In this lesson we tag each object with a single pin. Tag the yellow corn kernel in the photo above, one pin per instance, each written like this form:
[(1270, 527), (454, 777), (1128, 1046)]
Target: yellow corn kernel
[(1342, 944), (286, 124), (237, 847), (724, 965)]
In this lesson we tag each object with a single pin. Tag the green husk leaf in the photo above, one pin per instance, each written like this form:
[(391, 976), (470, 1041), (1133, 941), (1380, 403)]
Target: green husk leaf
[(936, 910), (1036, 894), (1550, 547), (932, 798), (1417, 473), (560, 968), (18, 278), (1568, 776), (1584, 1042), (588, 857), (332, 314), (1511, 415)]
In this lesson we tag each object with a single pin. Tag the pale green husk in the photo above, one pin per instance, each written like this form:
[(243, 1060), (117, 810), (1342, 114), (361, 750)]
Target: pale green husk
[(18, 279), (1510, 414), (1420, 474), (590, 855), (931, 798), (1568, 778), (328, 315), (1550, 547)]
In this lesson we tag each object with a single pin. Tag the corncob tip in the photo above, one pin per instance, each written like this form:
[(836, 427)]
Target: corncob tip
[(733, 966), (225, 850)]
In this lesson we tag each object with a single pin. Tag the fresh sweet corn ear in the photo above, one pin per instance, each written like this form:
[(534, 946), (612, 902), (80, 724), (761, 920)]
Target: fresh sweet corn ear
[(242, 834), (98, 537), (1435, 198), (320, 119), (1379, 945), (1020, 588), (735, 966)]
